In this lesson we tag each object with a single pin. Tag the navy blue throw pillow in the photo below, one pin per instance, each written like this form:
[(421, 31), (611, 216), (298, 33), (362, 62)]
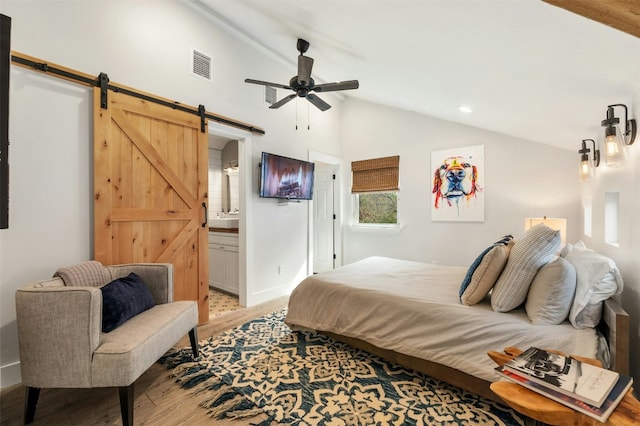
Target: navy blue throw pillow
[(123, 299)]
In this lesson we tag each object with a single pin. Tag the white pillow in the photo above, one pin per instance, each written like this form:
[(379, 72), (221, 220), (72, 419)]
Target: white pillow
[(568, 247), (533, 250), (551, 293), (598, 279)]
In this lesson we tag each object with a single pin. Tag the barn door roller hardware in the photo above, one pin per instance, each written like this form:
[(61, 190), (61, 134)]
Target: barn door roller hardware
[(102, 81)]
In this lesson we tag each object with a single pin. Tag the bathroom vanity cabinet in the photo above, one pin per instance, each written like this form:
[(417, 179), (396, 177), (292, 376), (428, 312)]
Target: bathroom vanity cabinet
[(224, 262)]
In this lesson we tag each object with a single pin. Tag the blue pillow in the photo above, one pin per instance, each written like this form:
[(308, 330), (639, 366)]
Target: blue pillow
[(123, 299)]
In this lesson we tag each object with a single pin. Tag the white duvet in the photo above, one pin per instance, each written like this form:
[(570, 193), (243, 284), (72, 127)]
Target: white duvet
[(413, 308)]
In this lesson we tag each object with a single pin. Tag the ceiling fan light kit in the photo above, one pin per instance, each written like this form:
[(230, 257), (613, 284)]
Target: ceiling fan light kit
[(302, 84)]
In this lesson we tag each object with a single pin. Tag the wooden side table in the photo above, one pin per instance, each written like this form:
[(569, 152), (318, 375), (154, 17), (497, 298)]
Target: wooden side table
[(545, 410)]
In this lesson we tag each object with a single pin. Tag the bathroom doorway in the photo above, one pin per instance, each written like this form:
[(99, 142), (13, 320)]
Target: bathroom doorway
[(233, 205)]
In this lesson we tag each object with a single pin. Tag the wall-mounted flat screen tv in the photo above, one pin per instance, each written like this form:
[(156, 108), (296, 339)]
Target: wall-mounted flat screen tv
[(286, 178)]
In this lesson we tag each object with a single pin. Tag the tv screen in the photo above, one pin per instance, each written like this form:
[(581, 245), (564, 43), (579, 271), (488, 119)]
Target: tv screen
[(284, 177)]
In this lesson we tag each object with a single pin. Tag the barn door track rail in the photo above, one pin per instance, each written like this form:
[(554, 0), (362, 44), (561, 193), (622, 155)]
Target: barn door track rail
[(102, 81)]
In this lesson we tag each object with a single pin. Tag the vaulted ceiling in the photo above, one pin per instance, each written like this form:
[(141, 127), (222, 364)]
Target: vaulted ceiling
[(527, 68)]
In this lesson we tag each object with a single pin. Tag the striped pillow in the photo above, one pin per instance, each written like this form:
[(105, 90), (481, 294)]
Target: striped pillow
[(530, 253)]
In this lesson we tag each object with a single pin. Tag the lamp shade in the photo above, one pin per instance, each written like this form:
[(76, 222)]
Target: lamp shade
[(557, 223)]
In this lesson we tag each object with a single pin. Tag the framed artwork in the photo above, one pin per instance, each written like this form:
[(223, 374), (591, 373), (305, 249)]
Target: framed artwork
[(457, 192)]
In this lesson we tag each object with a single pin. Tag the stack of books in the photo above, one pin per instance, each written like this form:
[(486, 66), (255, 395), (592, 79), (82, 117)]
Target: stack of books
[(591, 390)]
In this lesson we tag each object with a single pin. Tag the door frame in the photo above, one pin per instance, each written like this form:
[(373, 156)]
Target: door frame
[(315, 156), (246, 287)]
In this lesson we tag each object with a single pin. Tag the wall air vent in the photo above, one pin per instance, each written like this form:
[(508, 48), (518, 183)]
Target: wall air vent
[(270, 94), (201, 64)]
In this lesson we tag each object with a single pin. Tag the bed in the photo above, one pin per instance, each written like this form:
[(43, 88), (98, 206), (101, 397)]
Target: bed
[(410, 313)]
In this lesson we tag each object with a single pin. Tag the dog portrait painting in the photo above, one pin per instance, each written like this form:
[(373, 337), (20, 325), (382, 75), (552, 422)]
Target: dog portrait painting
[(457, 189)]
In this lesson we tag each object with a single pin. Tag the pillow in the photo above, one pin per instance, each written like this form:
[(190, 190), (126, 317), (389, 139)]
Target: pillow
[(122, 299), (529, 253), (551, 293), (598, 279), (567, 248), (484, 271)]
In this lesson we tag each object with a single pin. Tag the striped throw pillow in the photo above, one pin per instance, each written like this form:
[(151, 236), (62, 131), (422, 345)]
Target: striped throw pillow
[(531, 252)]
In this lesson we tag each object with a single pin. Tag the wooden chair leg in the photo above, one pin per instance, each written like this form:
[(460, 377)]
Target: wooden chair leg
[(193, 338), (30, 402), (126, 404)]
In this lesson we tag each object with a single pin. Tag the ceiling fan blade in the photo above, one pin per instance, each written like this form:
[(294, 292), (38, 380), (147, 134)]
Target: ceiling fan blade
[(305, 64), (282, 101), (338, 85), (266, 83), (322, 105)]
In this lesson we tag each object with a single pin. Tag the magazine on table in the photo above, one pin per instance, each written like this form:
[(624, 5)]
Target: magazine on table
[(601, 413), (567, 375)]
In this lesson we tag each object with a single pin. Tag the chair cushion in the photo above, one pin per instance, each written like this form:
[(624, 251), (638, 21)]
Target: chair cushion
[(128, 351), (122, 299)]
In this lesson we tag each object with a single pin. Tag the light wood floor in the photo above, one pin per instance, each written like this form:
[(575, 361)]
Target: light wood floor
[(158, 400)]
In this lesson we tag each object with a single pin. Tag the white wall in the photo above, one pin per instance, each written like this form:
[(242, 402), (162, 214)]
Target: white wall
[(50, 193), (522, 179), (626, 181), (148, 48)]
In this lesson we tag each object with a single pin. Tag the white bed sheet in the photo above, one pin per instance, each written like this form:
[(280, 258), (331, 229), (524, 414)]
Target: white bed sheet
[(413, 308)]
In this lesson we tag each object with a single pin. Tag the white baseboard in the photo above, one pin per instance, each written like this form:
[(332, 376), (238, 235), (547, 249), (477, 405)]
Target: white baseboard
[(10, 375)]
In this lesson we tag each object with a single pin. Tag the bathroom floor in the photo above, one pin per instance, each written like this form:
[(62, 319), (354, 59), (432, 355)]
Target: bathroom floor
[(221, 303)]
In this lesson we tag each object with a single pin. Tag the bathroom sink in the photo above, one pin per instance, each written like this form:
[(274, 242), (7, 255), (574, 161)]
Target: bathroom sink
[(224, 222)]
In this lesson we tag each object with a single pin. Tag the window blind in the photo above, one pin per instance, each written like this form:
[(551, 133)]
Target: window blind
[(375, 175)]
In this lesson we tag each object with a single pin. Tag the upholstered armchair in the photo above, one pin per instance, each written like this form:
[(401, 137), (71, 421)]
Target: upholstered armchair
[(60, 330)]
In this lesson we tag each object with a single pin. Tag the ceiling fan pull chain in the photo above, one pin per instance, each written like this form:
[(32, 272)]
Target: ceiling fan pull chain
[(308, 119), (296, 114)]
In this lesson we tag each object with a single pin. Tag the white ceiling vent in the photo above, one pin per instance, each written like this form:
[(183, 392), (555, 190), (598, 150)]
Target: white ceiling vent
[(270, 94), (201, 64)]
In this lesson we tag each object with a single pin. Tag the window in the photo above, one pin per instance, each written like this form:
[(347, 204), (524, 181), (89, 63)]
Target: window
[(588, 217), (377, 208), (375, 190), (611, 217)]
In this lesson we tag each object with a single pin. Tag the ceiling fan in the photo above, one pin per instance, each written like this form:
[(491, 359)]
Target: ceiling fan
[(302, 84)]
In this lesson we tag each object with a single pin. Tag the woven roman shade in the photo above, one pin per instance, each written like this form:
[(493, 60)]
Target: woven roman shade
[(375, 175)]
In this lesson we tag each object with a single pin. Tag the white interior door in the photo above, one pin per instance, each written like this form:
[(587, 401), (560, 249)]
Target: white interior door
[(324, 218)]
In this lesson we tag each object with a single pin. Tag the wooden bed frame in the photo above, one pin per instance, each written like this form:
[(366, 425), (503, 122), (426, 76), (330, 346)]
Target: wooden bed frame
[(614, 326)]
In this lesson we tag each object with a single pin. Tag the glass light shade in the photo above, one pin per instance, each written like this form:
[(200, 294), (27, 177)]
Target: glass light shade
[(614, 150), (586, 171), (556, 223)]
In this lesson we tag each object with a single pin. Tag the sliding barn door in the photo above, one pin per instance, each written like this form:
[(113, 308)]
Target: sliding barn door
[(150, 191)]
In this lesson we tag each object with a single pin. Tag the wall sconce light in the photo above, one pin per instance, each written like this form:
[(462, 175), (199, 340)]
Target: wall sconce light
[(586, 170), (614, 139)]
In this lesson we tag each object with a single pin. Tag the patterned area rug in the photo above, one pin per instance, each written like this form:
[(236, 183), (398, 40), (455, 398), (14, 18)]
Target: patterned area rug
[(305, 378), (221, 303)]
